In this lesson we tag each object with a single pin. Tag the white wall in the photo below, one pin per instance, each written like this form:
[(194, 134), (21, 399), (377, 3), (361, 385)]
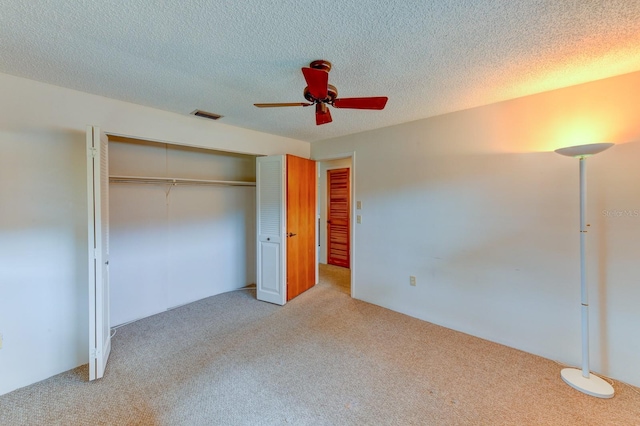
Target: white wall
[(175, 245), (340, 163), (43, 225), (43, 259), (477, 206)]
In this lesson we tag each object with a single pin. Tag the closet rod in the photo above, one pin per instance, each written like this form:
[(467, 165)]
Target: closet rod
[(176, 181)]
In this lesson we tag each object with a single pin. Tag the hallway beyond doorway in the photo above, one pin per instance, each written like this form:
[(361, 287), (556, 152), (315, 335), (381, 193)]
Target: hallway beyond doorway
[(336, 277)]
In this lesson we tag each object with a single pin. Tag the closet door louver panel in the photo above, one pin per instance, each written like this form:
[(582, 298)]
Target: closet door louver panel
[(271, 220), (270, 198)]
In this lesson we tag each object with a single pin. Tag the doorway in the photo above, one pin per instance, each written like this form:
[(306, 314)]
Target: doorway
[(333, 263)]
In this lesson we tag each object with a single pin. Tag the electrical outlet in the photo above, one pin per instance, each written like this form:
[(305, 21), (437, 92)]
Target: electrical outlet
[(359, 205), (359, 219), (412, 280)]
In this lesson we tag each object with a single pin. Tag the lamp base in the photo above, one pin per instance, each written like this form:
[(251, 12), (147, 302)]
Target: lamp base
[(593, 385)]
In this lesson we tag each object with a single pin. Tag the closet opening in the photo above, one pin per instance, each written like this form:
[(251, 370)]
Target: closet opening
[(182, 225)]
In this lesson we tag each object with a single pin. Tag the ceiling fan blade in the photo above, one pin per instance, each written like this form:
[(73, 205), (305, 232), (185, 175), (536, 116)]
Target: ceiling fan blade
[(317, 81), (361, 103), (323, 115), (289, 104)]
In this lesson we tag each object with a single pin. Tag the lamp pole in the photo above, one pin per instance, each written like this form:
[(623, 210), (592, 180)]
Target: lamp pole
[(583, 380), (584, 291)]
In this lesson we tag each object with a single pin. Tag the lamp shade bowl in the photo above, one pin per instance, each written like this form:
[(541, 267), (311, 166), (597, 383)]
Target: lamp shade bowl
[(584, 150)]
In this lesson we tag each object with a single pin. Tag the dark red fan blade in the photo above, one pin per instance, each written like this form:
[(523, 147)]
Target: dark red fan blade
[(317, 81), (361, 103), (323, 115)]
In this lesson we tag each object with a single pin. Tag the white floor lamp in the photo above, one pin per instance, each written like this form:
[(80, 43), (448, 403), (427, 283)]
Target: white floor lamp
[(583, 380)]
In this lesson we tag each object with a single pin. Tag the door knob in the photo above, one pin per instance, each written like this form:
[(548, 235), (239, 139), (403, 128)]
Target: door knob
[(291, 234)]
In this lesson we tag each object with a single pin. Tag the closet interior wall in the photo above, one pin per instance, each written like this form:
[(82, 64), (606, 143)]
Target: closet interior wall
[(175, 244)]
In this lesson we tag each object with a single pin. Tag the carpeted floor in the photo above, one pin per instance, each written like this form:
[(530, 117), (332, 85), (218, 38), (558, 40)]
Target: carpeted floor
[(322, 359)]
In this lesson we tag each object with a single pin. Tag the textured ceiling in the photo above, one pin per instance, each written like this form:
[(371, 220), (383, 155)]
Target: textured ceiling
[(430, 57)]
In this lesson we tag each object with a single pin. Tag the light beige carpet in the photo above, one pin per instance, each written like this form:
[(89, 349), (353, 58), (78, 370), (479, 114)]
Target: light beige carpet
[(322, 359)]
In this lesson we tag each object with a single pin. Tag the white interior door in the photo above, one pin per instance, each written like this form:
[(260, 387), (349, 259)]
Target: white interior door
[(98, 209), (271, 224)]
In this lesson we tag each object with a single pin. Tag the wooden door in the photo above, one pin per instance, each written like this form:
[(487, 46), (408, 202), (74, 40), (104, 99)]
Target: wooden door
[(338, 226), (301, 226), (98, 241)]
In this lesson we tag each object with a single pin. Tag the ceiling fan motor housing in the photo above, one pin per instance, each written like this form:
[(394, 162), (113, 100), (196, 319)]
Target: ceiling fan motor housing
[(332, 93)]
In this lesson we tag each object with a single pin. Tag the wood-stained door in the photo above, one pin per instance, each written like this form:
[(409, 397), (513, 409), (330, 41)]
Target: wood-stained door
[(301, 225), (338, 226)]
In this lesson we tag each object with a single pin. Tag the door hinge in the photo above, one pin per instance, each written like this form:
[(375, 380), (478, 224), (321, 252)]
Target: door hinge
[(95, 353), (93, 152)]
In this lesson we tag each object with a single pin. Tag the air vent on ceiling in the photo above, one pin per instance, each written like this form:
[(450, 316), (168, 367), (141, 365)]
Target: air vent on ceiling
[(205, 114)]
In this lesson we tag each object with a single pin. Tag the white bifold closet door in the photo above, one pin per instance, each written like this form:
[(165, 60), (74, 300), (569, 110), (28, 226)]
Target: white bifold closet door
[(98, 215), (271, 223)]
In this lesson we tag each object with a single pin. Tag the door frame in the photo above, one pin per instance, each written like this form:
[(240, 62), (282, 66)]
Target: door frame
[(352, 214)]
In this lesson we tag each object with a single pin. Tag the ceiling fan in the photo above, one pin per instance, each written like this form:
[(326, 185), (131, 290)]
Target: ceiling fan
[(321, 94)]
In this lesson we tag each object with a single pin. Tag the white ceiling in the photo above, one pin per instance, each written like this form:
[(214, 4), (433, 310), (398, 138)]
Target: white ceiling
[(429, 57)]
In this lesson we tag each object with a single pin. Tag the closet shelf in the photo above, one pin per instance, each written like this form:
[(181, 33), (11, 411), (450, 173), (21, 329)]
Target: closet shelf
[(176, 181)]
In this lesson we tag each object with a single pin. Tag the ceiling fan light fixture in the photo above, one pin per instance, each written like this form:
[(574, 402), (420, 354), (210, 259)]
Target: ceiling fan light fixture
[(321, 108)]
